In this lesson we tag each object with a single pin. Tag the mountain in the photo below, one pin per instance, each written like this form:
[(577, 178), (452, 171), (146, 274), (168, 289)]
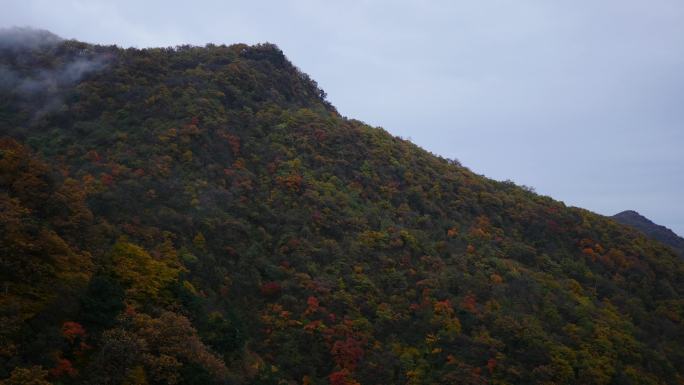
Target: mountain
[(652, 230), (202, 215)]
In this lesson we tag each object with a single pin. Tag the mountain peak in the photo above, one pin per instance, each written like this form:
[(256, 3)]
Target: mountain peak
[(633, 215), (655, 231)]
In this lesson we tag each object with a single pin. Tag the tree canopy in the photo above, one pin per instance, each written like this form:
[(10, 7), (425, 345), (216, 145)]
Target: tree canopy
[(198, 215)]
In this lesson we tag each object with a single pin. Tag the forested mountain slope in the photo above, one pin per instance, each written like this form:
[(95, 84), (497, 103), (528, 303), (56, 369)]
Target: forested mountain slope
[(660, 233), (198, 215)]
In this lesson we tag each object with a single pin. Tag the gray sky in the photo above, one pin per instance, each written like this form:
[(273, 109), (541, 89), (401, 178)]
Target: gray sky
[(581, 99)]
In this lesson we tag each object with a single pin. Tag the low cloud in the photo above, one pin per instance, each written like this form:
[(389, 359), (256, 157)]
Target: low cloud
[(46, 84), (48, 80), (22, 38)]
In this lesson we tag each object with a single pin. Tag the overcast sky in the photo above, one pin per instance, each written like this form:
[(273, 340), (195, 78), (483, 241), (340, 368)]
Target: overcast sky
[(581, 99)]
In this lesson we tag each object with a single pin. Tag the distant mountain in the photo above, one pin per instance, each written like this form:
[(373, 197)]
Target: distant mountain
[(203, 215), (652, 230)]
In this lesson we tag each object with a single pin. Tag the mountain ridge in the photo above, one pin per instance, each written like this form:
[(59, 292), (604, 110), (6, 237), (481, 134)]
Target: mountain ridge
[(210, 200), (658, 232)]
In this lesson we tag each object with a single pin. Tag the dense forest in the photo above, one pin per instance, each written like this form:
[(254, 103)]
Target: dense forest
[(202, 215)]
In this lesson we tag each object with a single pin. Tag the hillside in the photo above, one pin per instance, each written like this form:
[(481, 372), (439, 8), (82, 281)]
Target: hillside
[(652, 230), (199, 215)]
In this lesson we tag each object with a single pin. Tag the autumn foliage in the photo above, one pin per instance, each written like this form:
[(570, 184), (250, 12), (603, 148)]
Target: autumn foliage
[(202, 215)]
